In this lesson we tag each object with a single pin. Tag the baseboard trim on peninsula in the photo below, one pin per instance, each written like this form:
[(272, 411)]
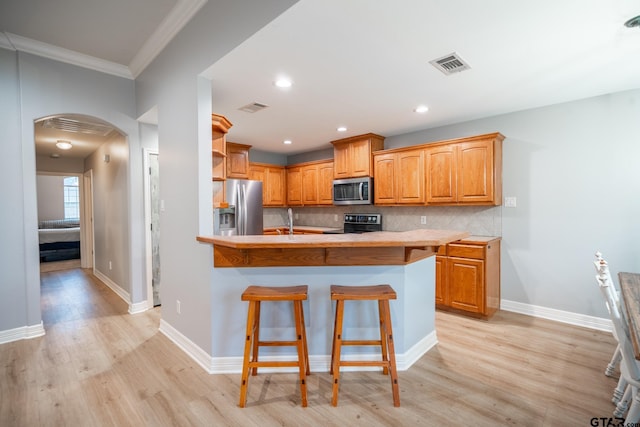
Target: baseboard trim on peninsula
[(233, 365), (21, 333), (576, 319)]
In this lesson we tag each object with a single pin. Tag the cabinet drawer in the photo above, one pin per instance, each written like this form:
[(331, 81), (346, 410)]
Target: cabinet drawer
[(466, 251)]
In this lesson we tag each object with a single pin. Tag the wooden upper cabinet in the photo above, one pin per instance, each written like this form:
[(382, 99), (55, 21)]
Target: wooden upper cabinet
[(325, 183), (219, 128), (316, 182), (399, 177), (237, 160), (273, 182), (353, 157), (294, 186), (467, 171), (441, 178), (276, 186), (310, 185)]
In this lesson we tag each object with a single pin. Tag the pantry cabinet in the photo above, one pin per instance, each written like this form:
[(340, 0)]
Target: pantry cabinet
[(399, 177), (273, 183), (467, 171), (468, 276), (353, 157)]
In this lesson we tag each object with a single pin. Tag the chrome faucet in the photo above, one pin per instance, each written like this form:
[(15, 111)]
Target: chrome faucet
[(290, 212)]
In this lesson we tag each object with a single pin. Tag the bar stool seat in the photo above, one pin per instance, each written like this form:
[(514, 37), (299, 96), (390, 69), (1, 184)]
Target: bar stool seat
[(381, 293), (255, 295)]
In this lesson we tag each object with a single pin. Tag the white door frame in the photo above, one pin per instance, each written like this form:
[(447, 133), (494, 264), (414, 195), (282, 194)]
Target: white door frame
[(146, 152), (87, 253)]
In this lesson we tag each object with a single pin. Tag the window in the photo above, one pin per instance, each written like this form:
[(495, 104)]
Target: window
[(71, 198)]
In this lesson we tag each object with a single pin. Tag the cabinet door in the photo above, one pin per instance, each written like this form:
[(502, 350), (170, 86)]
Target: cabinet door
[(466, 284), (275, 190), (257, 173), (310, 185), (410, 177), (294, 186), (384, 178), (341, 161), (441, 280), (237, 161), (360, 158), (325, 183), (440, 174), (475, 171)]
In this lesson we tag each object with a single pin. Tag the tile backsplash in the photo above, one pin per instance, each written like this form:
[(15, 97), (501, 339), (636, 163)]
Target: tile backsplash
[(478, 220)]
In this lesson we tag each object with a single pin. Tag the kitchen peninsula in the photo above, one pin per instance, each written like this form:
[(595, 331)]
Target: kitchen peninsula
[(404, 260)]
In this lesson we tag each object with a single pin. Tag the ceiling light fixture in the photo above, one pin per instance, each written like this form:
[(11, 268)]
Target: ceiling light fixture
[(633, 22), (64, 145), (287, 142), (342, 129), (421, 109), (283, 83)]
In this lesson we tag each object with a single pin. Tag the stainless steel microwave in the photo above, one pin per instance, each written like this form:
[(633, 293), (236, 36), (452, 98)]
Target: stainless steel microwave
[(353, 191)]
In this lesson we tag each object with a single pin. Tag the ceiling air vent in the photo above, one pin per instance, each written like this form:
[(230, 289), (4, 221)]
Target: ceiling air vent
[(450, 64), (254, 107), (76, 126)]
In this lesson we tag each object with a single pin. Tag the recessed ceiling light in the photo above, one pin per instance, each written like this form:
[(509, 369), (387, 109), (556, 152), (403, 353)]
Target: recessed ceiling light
[(342, 129), (283, 82), (64, 145), (421, 109), (286, 142)]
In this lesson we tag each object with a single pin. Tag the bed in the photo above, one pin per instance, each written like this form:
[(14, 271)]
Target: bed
[(59, 240)]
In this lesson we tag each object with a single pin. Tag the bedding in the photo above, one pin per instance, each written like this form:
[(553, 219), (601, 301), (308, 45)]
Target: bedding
[(59, 240)]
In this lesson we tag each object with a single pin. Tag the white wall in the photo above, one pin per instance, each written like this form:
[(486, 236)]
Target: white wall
[(574, 170), (110, 210), (183, 103), (50, 197), (33, 87)]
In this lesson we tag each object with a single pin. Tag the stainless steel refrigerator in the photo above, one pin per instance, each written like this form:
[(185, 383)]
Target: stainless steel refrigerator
[(244, 214)]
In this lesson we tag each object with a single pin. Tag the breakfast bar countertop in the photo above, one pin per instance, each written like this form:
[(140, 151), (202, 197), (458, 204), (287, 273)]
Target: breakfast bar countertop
[(305, 250), (379, 239)]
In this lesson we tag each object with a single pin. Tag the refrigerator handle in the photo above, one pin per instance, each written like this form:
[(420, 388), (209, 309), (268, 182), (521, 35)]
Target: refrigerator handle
[(244, 215), (239, 211)]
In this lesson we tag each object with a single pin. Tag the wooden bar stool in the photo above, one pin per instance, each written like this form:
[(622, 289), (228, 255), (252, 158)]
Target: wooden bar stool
[(255, 295), (381, 293)]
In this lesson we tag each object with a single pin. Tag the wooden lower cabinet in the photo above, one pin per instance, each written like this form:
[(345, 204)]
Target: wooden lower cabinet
[(468, 276)]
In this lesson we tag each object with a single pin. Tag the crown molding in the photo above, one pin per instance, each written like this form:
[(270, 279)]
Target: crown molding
[(170, 26), (24, 44)]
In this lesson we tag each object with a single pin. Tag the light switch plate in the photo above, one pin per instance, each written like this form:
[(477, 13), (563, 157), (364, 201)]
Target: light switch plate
[(509, 202)]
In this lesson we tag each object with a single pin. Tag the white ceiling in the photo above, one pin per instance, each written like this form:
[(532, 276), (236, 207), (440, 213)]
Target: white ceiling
[(360, 63)]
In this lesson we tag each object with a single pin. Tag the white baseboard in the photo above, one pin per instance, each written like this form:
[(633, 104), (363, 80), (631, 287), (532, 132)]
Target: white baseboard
[(576, 319), (319, 363), (138, 307), (22, 333), (200, 356), (134, 308)]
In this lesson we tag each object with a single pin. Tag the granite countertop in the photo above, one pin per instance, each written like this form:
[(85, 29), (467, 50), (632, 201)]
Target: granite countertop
[(309, 228)]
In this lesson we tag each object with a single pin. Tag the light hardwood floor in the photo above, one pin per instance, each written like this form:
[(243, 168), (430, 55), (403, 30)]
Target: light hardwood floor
[(97, 365)]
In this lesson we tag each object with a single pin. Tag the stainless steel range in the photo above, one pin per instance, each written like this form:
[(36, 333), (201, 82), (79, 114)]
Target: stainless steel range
[(362, 223)]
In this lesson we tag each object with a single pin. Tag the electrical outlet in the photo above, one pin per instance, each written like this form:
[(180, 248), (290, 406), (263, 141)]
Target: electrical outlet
[(178, 306), (335, 217), (423, 219), (295, 216), (110, 266)]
